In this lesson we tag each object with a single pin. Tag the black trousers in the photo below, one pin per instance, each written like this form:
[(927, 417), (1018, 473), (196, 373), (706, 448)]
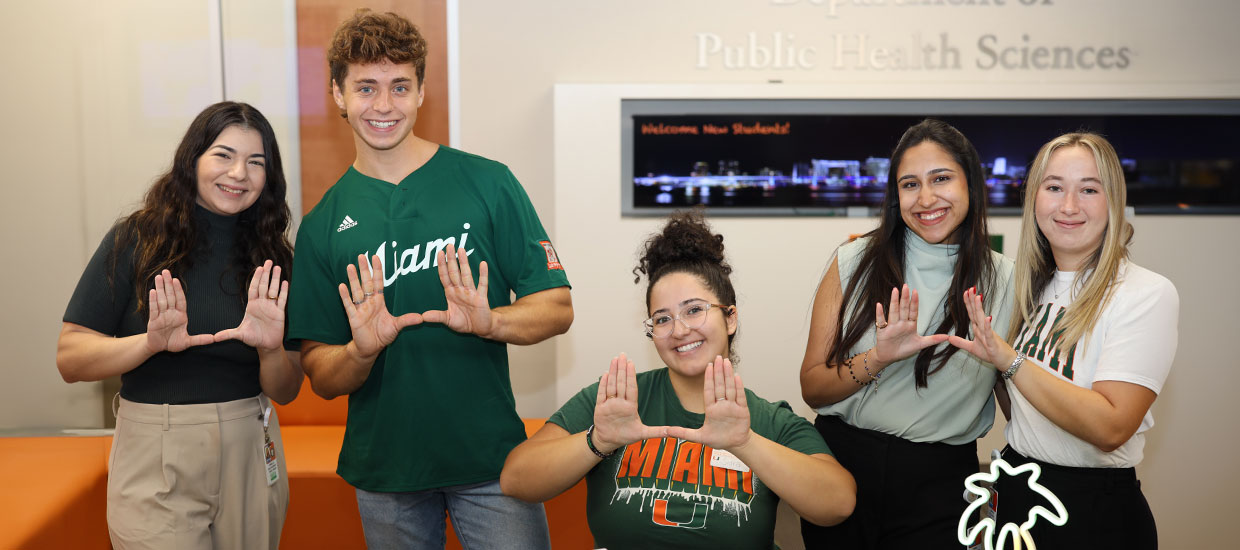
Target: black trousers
[(909, 495), (1106, 508)]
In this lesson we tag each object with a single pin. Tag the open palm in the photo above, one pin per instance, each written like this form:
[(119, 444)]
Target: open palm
[(468, 310), (897, 337), (373, 326), (168, 324), (727, 413), (616, 420), (262, 327), (986, 344)]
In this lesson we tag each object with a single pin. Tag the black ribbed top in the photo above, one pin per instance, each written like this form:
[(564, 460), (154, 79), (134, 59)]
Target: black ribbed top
[(213, 373)]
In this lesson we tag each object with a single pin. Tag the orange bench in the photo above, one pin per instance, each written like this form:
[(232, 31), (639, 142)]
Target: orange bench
[(53, 490)]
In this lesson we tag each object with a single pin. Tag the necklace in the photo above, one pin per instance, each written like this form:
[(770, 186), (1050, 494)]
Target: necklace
[(1055, 281)]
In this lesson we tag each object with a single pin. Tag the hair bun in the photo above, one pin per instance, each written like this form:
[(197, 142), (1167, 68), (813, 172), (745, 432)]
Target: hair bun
[(686, 239)]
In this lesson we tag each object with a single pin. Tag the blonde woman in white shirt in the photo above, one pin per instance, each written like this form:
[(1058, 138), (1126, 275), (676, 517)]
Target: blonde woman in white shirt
[(1093, 342)]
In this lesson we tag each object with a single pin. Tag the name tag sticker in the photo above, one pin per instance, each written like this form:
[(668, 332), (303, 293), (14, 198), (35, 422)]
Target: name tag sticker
[(720, 458)]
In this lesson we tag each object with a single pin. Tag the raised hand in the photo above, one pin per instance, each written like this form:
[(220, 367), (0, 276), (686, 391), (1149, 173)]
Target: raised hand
[(986, 344), (262, 327), (167, 326), (897, 336), (616, 422), (373, 326), (727, 414), (468, 309)]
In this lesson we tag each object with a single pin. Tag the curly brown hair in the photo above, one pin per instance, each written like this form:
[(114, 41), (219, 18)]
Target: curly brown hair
[(163, 232), (687, 245), (370, 37)]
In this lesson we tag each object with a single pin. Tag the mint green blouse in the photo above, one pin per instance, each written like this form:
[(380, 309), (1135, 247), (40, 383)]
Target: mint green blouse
[(958, 405)]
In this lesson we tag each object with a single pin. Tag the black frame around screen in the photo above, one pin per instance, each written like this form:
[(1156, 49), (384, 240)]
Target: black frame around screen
[(825, 157)]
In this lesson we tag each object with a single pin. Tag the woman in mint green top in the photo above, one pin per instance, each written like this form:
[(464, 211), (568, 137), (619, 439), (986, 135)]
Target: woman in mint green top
[(901, 408)]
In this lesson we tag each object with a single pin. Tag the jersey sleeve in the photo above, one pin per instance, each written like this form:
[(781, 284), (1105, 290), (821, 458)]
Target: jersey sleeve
[(97, 304), (578, 413), (795, 432), (523, 247), (314, 309), (1140, 342)]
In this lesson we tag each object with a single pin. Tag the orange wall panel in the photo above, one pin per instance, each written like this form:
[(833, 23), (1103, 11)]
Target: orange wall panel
[(326, 138)]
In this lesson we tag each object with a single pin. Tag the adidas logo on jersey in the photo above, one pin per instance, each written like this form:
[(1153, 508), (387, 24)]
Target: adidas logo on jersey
[(347, 223)]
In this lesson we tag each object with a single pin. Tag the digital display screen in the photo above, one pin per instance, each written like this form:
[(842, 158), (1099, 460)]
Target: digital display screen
[(792, 162)]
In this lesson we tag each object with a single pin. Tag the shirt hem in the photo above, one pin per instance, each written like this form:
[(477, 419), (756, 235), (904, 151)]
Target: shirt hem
[(419, 487), (1129, 378)]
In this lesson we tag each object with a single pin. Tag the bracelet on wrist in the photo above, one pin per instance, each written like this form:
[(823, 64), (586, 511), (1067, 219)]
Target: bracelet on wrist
[(849, 363), (865, 364), (590, 444), (1015, 366)]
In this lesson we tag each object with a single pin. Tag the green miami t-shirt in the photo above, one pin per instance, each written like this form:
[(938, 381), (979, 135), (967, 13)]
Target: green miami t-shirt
[(437, 408), (664, 492)]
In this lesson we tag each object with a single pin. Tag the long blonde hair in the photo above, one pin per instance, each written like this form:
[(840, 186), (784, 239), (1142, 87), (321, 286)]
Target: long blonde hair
[(1035, 264)]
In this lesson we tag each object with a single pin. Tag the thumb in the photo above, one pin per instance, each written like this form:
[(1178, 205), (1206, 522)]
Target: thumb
[(960, 342), (435, 316), (681, 432), (408, 320), (226, 334), (202, 339), (652, 432)]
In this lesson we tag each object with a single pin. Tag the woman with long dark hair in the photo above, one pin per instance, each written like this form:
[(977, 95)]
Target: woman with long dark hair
[(901, 408), (184, 300), (682, 456), (1096, 335)]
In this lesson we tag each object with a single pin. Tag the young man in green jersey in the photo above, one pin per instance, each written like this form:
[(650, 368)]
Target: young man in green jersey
[(385, 304)]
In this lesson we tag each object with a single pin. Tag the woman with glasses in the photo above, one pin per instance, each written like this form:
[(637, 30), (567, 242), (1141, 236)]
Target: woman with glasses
[(682, 456), (900, 407), (1096, 336)]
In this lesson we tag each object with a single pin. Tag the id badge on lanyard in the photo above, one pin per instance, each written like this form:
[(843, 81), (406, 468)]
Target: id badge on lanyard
[(269, 450)]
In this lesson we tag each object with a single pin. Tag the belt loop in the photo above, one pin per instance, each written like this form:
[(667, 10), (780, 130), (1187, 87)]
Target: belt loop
[(167, 412), (116, 404)]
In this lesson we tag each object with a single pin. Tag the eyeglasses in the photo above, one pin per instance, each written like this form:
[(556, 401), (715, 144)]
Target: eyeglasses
[(692, 315)]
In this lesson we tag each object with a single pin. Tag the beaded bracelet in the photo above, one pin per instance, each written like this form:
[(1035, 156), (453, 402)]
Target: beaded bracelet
[(850, 372), (865, 364), (865, 361), (590, 443)]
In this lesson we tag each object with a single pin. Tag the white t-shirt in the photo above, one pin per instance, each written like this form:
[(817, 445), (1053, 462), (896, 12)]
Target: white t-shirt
[(1133, 341)]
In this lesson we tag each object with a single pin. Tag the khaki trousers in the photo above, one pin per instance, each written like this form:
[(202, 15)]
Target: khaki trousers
[(195, 477)]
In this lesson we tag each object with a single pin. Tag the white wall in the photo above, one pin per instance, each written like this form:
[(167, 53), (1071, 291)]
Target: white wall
[(563, 143), (97, 96), (93, 115), (778, 263)]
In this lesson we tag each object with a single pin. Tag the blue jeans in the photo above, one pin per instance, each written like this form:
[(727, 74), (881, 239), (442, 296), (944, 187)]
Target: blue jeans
[(482, 516)]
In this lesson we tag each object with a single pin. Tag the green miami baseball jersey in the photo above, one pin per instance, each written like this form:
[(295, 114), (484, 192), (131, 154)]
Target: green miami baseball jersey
[(437, 408), (666, 492)]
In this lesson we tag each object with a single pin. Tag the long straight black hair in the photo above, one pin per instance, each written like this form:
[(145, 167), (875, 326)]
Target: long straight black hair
[(882, 263)]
